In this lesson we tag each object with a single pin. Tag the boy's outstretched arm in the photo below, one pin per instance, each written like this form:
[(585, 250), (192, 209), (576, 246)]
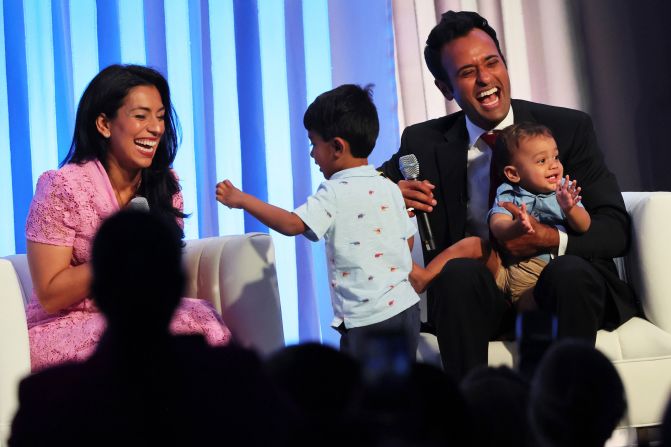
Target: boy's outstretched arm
[(278, 219)]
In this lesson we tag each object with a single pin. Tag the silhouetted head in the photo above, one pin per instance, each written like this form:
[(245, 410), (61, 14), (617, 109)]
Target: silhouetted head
[(497, 398), (318, 378), (441, 410), (666, 426), (577, 397), (137, 271)]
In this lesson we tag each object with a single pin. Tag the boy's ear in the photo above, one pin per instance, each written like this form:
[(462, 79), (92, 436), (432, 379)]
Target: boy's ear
[(340, 146), (511, 174)]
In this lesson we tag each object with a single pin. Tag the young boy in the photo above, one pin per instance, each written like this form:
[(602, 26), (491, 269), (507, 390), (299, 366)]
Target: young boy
[(361, 216), (527, 157)]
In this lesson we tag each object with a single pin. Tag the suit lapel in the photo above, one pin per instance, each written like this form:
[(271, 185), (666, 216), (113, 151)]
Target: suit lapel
[(451, 161)]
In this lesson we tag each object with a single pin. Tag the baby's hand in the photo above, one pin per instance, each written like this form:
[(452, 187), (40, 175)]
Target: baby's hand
[(524, 222), (229, 195), (568, 194)]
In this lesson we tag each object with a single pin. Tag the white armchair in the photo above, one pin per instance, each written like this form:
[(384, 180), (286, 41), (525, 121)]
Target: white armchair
[(235, 273), (640, 349)]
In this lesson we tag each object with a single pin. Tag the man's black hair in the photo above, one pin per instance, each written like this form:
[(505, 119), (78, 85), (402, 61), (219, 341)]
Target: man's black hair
[(453, 24), (347, 112)]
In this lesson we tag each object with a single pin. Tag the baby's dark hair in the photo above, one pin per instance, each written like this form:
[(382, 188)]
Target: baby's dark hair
[(347, 112), (509, 140)]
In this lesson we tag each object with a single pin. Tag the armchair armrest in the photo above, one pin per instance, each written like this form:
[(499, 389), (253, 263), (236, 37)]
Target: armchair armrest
[(14, 347), (237, 275), (649, 259)]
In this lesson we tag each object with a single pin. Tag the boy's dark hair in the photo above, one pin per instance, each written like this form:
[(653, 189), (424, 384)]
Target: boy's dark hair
[(509, 139), (453, 24), (347, 112)]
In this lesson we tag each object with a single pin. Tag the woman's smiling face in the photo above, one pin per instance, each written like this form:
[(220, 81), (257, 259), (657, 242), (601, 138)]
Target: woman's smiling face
[(136, 130)]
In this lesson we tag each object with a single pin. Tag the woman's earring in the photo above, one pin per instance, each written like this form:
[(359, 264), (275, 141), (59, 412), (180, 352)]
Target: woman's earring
[(106, 135)]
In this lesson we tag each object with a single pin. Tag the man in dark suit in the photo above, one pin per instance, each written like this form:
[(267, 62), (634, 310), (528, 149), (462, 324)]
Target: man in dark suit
[(142, 385), (580, 285)]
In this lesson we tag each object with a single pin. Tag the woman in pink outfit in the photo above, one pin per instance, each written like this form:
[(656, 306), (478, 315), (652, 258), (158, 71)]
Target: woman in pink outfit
[(124, 143)]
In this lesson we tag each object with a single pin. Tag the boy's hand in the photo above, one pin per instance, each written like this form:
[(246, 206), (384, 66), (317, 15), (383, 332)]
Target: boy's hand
[(229, 195), (568, 194)]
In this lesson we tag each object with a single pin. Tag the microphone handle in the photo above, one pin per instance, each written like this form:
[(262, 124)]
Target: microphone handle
[(425, 232)]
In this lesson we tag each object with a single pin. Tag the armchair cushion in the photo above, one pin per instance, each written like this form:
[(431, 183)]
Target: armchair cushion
[(648, 263), (14, 348), (237, 275)]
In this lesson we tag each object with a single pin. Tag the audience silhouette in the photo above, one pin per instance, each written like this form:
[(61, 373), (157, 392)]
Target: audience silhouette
[(497, 399), (323, 384), (143, 385), (576, 397), (666, 426)]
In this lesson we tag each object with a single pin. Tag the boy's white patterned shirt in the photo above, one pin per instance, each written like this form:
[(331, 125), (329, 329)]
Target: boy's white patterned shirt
[(362, 218)]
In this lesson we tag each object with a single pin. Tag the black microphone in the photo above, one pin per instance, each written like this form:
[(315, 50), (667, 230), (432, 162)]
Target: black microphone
[(138, 203), (410, 169)]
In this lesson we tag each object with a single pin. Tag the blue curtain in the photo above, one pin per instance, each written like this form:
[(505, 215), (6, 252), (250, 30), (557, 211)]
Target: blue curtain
[(242, 73)]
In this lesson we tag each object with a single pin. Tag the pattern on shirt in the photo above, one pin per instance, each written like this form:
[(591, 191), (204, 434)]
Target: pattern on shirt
[(367, 246)]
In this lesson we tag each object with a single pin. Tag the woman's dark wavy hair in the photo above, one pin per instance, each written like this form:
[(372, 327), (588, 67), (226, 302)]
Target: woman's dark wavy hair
[(106, 94)]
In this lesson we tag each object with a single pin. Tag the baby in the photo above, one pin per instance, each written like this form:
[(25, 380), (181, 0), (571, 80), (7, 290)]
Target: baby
[(527, 157)]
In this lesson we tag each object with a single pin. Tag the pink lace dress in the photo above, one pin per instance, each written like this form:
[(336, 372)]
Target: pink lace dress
[(68, 207)]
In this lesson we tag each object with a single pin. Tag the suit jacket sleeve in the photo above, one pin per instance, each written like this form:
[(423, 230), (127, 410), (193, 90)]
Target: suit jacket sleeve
[(390, 167), (609, 233)]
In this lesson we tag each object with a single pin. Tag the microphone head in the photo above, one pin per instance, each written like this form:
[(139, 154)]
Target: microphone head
[(409, 166), (138, 203)]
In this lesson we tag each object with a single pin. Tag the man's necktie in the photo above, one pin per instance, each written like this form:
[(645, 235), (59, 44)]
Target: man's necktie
[(494, 177)]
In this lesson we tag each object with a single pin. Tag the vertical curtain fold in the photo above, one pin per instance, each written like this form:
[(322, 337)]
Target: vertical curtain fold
[(308, 322), (19, 130), (250, 105)]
